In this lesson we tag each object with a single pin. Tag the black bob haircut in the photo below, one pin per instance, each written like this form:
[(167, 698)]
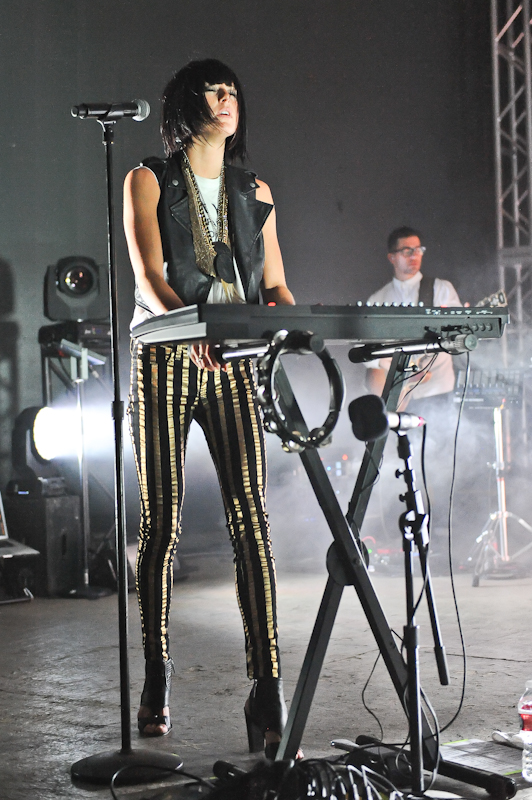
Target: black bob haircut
[(186, 113), (401, 233)]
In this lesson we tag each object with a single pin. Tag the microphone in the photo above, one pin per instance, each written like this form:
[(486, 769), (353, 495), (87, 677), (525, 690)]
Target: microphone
[(138, 109), (371, 421)]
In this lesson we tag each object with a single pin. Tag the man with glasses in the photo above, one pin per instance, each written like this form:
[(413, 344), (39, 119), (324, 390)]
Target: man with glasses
[(435, 376)]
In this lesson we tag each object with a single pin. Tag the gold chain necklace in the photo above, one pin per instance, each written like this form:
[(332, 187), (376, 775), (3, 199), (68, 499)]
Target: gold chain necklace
[(213, 258)]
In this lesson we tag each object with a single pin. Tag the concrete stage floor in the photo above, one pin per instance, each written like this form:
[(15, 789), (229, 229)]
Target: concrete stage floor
[(59, 675)]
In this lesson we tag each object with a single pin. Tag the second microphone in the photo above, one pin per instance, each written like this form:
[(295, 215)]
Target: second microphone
[(371, 421)]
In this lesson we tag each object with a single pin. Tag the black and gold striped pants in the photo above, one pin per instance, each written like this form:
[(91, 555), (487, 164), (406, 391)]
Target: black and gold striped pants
[(168, 392)]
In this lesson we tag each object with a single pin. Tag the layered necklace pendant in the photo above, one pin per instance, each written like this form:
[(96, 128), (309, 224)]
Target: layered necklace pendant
[(213, 257)]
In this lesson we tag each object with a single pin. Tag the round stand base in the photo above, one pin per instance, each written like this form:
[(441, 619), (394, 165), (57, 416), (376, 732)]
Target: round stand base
[(88, 592), (143, 766), (506, 570)]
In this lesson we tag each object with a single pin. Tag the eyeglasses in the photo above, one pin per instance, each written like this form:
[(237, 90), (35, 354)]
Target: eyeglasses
[(408, 252)]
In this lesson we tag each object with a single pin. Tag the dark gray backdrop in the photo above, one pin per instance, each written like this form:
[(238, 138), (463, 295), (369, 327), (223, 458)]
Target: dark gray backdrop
[(363, 116)]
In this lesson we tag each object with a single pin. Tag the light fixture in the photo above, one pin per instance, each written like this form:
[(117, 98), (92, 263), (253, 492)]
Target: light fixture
[(56, 433), (76, 289), (34, 474)]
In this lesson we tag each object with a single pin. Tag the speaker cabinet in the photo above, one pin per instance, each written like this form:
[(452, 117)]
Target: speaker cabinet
[(52, 526)]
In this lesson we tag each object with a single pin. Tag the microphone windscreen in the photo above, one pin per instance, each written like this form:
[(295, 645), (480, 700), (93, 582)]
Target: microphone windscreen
[(368, 418), (143, 110)]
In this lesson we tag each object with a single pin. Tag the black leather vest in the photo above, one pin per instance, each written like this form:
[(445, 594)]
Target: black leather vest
[(247, 216)]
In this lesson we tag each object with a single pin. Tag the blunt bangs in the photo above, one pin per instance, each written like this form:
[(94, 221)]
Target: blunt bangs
[(186, 112)]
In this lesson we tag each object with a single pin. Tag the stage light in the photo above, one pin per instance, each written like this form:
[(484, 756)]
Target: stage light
[(76, 289), (33, 473), (56, 433), (78, 280), (50, 432)]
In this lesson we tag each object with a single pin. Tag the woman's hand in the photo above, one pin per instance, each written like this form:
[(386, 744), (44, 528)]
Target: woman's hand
[(203, 355)]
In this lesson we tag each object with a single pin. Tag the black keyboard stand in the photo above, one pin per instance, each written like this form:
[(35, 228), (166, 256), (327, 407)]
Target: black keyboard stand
[(346, 566)]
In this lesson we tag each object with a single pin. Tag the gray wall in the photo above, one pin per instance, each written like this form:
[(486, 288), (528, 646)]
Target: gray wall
[(363, 115)]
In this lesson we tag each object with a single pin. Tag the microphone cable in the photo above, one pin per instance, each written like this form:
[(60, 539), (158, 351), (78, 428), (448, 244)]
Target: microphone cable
[(450, 540), (418, 375)]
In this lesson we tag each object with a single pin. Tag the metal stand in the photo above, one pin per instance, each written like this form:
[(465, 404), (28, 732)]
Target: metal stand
[(26, 598), (85, 358), (346, 566), (512, 122), (490, 555), (79, 373), (413, 524), (100, 768)]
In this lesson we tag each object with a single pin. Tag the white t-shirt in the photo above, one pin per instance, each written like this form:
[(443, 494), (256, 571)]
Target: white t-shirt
[(441, 370), (209, 190)]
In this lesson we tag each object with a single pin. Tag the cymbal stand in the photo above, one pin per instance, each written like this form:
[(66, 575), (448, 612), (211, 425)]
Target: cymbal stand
[(490, 555)]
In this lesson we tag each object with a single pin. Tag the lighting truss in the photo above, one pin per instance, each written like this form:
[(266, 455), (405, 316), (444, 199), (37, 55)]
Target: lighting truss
[(512, 111)]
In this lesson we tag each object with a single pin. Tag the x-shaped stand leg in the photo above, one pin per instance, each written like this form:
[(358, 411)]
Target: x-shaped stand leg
[(346, 566)]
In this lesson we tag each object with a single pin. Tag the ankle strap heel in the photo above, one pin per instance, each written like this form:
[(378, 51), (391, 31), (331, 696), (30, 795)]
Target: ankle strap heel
[(156, 695), (265, 711)]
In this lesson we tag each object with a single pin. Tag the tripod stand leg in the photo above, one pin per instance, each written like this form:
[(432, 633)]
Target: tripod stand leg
[(527, 528), (487, 551)]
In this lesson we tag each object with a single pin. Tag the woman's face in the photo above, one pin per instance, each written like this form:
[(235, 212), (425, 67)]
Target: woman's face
[(223, 102)]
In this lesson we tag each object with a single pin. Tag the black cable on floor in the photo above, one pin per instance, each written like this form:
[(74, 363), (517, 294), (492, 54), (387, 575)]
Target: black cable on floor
[(122, 770), (363, 697)]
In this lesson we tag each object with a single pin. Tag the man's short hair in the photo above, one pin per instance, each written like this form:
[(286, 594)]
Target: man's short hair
[(400, 233), (186, 112)]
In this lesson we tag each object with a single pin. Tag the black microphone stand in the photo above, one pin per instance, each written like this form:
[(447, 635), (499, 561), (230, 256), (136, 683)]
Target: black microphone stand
[(142, 764), (414, 526)]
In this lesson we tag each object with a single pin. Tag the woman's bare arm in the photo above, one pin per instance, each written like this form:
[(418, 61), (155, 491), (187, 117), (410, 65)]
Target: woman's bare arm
[(141, 226), (273, 285)]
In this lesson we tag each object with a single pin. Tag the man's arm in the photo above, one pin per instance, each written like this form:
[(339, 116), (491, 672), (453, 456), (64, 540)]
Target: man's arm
[(375, 380), (445, 294)]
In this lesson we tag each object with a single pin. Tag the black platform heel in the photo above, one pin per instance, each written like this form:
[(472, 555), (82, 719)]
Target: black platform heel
[(265, 712), (156, 696)]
